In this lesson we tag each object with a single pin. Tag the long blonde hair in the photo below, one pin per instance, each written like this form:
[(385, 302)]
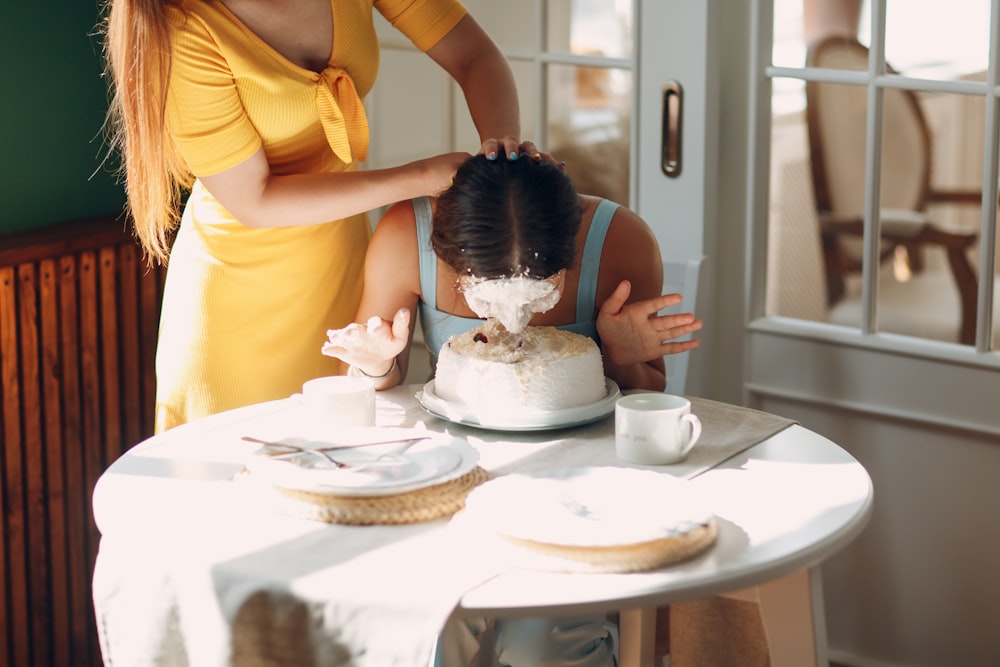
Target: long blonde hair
[(137, 69)]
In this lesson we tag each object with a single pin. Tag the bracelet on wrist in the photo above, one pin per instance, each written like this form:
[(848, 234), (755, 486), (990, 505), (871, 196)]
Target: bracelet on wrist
[(355, 369)]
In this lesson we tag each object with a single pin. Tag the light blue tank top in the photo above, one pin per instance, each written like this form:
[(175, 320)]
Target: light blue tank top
[(439, 326)]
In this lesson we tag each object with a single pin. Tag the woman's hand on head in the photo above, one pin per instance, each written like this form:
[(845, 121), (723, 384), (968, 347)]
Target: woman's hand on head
[(512, 149), (370, 347), (438, 172), (506, 148), (529, 148), (635, 332)]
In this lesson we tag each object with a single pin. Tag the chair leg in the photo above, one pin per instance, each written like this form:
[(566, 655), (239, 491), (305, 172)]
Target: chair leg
[(791, 609), (662, 643), (637, 637), (914, 256)]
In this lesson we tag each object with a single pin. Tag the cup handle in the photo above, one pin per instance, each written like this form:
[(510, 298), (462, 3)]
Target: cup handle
[(694, 431)]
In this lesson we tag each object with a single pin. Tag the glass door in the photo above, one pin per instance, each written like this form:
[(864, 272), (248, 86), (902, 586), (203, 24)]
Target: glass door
[(591, 76), (596, 81), (882, 196)]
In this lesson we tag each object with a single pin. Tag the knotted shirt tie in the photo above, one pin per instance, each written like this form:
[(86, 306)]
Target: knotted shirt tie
[(342, 115)]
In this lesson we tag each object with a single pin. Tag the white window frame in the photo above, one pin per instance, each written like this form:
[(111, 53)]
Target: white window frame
[(877, 372)]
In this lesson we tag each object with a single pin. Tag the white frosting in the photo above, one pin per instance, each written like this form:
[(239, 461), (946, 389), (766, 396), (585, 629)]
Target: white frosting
[(512, 301), (495, 371)]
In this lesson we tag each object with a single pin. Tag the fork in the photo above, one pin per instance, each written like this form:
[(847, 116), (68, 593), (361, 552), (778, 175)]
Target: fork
[(284, 449)]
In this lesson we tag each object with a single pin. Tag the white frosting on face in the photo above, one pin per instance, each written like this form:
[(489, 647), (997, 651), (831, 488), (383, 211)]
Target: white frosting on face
[(512, 301)]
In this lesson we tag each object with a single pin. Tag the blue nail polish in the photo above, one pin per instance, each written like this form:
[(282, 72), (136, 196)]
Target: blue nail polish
[(491, 156), (512, 156)]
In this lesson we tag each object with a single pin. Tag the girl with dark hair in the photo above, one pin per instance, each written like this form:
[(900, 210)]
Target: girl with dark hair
[(495, 221), (549, 256), (511, 225)]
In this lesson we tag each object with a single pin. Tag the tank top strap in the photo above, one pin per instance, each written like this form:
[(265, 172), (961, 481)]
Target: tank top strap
[(590, 264), (425, 253)]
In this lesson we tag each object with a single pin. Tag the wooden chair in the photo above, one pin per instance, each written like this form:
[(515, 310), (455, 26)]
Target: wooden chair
[(836, 119)]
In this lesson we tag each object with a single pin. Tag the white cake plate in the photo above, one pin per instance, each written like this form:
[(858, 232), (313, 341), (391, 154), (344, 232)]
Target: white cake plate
[(519, 420)]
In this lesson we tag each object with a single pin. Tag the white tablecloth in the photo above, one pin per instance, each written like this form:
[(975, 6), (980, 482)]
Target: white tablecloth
[(192, 570)]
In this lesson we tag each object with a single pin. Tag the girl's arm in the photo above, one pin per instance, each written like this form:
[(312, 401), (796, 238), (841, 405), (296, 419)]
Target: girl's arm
[(634, 337), (378, 344)]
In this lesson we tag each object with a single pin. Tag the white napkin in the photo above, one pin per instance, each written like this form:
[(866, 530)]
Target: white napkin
[(158, 607)]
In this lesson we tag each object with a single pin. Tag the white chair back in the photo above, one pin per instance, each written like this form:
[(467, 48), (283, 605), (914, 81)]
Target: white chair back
[(681, 277)]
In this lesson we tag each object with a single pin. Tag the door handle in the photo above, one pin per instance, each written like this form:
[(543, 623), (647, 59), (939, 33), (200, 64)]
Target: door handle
[(670, 138)]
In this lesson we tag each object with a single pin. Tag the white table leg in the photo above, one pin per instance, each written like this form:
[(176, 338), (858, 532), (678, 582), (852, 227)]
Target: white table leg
[(637, 637)]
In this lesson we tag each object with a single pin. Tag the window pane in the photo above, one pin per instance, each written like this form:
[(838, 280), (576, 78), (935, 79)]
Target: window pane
[(590, 27), (799, 23), (996, 296), (511, 23), (935, 40), (465, 137), (789, 48), (932, 156), (796, 278), (588, 112), (836, 126)]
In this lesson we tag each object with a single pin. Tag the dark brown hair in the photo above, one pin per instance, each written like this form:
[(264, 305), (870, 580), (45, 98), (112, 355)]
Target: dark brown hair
[(504, 218)]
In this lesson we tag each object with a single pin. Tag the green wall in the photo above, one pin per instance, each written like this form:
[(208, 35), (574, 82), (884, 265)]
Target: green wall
[(52, 105)]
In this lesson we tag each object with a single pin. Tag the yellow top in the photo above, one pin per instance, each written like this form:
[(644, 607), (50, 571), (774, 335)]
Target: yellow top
[(245, 311)]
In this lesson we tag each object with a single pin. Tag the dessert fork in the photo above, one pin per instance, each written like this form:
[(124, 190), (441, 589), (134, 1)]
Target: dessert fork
[(278, 449)]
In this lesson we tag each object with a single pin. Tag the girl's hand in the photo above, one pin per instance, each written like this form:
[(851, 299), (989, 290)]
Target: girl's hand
[(635, 333), (372, 347)]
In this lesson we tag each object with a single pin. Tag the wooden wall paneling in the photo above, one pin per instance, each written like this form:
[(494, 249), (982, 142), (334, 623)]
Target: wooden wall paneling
[(36, 505), (149, 317), (11, 424), (17, 507), (152, 295), (55, 461), (35, 465), (111, 394), (79, 312), (77, 488), (90, 395), (129, 353)]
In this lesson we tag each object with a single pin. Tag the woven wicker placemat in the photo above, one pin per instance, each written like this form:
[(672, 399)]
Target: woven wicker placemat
[(426, 504), (624, 558)]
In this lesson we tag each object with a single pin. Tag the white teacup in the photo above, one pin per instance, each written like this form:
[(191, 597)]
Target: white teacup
[(340, 400), (654, 428)]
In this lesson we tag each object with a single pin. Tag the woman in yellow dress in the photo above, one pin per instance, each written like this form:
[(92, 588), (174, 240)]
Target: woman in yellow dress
[(241, 128)]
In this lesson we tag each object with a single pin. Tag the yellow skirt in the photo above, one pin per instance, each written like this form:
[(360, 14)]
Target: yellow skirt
[(245, 311)]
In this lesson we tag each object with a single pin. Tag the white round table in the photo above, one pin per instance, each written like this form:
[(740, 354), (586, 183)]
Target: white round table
[(173, 528)]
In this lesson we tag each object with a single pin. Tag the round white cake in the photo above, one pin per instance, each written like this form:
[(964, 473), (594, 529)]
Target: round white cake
[(541, 368)]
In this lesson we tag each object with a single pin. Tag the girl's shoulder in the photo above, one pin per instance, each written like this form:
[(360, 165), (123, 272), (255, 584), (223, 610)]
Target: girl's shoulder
[(625, 222), (631, 251), (398, 218)]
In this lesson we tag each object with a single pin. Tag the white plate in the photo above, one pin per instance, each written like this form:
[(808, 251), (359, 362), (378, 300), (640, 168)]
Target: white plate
[(589, 507), (521, 420), (439, 459)]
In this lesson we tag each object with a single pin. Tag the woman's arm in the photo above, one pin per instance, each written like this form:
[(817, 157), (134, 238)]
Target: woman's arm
[(378, 344), (258, 198), (634, 337), (469, 55)]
